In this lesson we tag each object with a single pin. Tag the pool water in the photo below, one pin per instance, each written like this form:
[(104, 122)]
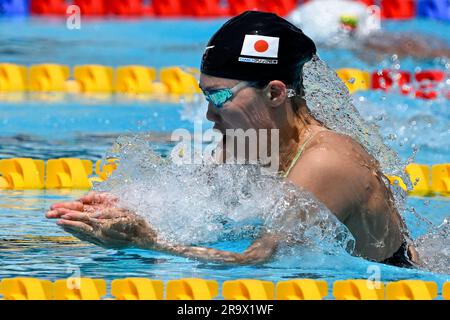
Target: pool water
[(52, 126)]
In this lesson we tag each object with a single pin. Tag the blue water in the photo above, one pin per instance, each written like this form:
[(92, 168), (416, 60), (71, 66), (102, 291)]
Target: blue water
[(51, 126)]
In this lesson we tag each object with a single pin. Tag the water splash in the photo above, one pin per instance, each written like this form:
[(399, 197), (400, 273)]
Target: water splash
[(434, 248), (195, 204), (206, 203), (329, 101), (194, 110)]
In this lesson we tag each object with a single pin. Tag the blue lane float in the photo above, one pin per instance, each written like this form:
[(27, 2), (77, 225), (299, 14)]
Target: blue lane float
[(434, 9), (14, 7)]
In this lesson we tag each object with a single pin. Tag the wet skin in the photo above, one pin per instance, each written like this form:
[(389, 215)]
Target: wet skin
[(333, 167)]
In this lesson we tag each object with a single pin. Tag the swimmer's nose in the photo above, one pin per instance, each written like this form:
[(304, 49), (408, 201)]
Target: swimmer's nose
[(212, 114)]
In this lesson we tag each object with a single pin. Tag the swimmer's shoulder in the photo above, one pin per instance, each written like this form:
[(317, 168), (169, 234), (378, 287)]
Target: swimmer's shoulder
[(333, 179), (338, 146), (338, 157), (327, 152)]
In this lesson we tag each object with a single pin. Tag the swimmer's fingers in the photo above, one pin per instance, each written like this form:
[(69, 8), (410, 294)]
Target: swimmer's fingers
[(77, 226), (114, 213), (81, 230), (78, 216), (59, 212), (82, 235), (53, 214), (89, 197), (104, 237), (72, 205), (94, 197)]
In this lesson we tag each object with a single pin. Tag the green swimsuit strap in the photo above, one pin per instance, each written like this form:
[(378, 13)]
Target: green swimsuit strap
[(297, 156)]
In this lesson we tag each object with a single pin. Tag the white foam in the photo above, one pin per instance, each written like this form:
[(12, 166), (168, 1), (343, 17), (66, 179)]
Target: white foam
[(193, 204)]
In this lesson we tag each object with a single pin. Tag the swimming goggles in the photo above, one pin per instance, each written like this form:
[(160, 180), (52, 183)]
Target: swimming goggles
[(218, 97)]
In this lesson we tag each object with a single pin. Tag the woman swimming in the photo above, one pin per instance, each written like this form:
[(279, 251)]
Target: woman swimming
[(251, 76)]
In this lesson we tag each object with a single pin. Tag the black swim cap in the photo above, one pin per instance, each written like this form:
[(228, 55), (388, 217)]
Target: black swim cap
[(257, 46)]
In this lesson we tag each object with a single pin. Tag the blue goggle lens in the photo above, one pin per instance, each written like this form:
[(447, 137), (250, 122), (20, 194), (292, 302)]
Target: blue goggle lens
[(218, 97)]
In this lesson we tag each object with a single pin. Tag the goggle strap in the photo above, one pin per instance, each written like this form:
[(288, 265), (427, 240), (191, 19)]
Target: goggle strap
[(239, 86)]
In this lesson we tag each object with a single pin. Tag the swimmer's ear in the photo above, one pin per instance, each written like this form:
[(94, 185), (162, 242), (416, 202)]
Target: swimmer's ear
[(275, 93)]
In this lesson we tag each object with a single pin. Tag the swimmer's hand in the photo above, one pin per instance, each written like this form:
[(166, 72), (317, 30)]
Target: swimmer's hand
[(91, 202), (114, 228), (96, 219)]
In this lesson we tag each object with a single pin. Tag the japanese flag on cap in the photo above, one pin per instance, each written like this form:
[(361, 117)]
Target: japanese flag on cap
[(260, 46)]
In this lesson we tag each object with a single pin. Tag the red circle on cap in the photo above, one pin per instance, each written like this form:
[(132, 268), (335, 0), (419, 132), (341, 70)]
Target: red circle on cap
[(261, 45)]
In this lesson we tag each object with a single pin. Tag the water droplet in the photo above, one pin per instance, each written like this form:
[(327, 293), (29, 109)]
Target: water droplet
[(392, 136)]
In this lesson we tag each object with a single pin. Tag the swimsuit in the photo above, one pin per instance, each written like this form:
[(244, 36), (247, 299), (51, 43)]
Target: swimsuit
[(401, 258), (297, 156)]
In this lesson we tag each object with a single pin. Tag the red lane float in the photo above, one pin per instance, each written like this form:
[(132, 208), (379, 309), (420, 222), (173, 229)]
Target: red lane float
[(280, 7), (427, 82), (167, 8), (203, 8), (367, 2), (385, 79), (91, 7), (125, 7), (398, 9), (238, 6), (48, 7)]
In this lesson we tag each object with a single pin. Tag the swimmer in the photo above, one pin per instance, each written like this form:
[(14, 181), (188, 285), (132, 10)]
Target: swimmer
[(260, 87), (355, 26), (382, 44)]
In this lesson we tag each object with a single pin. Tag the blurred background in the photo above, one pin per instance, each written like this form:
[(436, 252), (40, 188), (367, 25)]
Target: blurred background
[(65, 65), (75, 75)]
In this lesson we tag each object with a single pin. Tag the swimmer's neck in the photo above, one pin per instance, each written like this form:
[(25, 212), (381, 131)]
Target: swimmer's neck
[(294, 130)]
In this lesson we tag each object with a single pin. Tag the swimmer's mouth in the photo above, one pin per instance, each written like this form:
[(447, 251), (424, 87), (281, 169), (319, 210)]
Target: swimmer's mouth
[(216, 127)]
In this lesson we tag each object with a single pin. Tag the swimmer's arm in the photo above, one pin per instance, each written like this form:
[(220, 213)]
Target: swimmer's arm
[(261, 250)]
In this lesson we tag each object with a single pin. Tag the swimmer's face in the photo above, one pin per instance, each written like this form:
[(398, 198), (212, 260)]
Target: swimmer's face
[(250, 107)]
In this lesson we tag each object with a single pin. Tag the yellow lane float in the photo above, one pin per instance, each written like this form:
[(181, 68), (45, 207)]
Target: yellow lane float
[(49, 77), (94, 78), (248, 289), (21, 173), (26, 173), (201, 289), (79, 289), (135, 79), (411, 290), (301, 289), (137, 289), (68, 173), (354, 79), (13, 77), (178, 81), (358, 289), (191, 289)]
